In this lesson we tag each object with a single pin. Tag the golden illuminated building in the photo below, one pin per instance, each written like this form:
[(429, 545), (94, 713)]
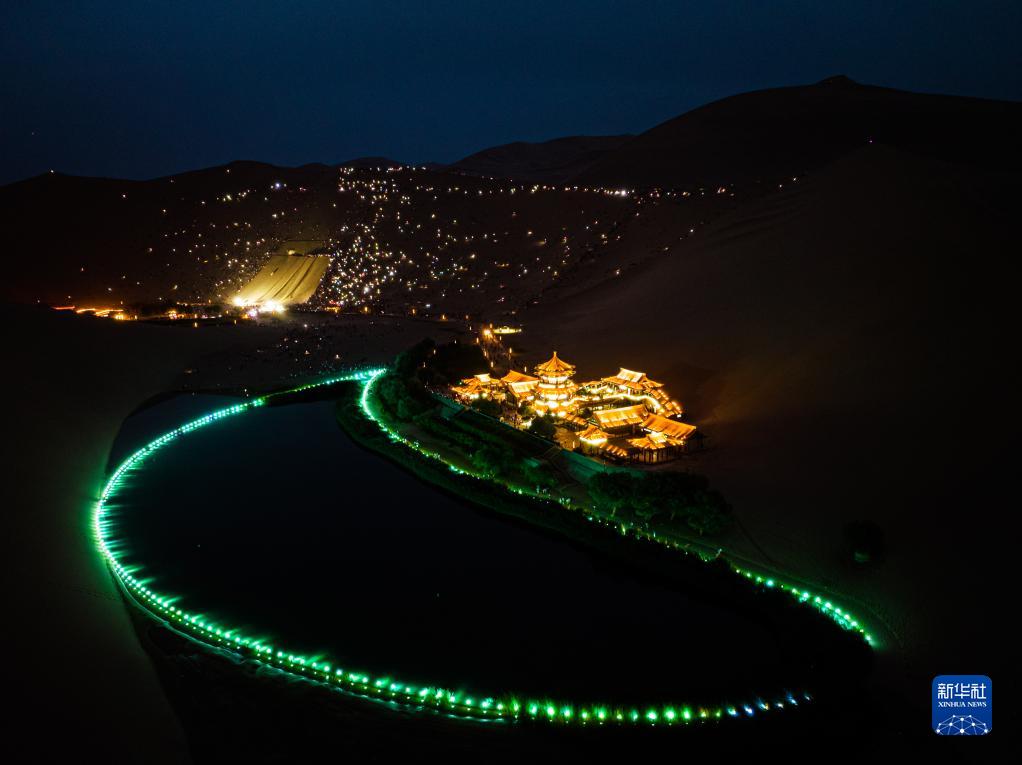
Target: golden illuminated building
[(668, 427), (479, 386), (555, 392), (663, 440), (622, 418), (638, 385), (626, 417), (593, 439), (520, 385)]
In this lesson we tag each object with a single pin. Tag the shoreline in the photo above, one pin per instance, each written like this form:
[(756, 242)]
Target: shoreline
[(755, 571), (766, 602)]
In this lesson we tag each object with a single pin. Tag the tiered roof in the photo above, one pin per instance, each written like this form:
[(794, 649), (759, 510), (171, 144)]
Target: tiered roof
[(637, 381), (593, 434), (518, 377), (474, 386), (621, 417), (668, 407), (667, 427), (652, 442), (573, 419), (615, 450), (470, 387), (555, 366)]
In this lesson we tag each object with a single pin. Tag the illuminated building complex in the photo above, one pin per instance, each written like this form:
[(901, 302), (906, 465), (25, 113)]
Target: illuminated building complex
[(626, 417)]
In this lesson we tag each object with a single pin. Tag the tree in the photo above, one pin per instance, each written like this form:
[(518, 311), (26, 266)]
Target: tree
[(609, 491), (404, 399), (408, 409), (487, 406), (539, 476), (492, 461), (683, 498), (543, 427), (407, 363), (708, 513)]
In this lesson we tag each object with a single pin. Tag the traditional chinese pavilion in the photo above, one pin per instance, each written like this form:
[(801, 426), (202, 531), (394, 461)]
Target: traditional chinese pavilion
[(555, 392), (520, 386), (637, 384), (478, 386)]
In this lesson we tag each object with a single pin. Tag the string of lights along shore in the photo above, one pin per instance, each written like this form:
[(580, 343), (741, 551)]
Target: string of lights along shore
[(506, 382), (378, 686)]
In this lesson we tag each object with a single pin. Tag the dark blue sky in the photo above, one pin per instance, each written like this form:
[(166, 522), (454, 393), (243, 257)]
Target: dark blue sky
[(139, 89)]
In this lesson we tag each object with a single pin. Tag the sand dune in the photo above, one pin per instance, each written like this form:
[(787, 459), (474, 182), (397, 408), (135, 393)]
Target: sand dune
[(837, 343), (543, 162), (71, 381), (767, 135)]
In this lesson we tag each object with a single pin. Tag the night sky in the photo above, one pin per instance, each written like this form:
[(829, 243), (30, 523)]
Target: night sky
[(141, 89)]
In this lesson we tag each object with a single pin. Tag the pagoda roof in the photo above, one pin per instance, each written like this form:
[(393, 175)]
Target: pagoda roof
[(593, 433), (518, 377), (668, 407), (667, 427), (615, 449), (633, 380), (621, 417), (554, 366), (472, 385), (654, 441), (521, 388)]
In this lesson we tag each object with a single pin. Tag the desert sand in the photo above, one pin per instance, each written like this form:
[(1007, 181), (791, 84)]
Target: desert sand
[(71, 383), (836, 343)]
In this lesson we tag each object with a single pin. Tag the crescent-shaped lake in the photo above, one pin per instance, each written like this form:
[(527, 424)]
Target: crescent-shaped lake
[(278, 523)]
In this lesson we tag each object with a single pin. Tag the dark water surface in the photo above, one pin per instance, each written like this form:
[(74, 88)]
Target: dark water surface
[(276, 522)]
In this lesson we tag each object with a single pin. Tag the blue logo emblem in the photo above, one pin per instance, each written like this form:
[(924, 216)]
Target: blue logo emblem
[(962, 705)]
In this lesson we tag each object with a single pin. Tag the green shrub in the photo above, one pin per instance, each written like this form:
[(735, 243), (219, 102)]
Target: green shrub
[(487, 406), (665, 498), (543, 427)]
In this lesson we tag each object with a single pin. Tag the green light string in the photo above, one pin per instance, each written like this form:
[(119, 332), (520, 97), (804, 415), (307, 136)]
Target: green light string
[(842, 617), (385, 688)]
